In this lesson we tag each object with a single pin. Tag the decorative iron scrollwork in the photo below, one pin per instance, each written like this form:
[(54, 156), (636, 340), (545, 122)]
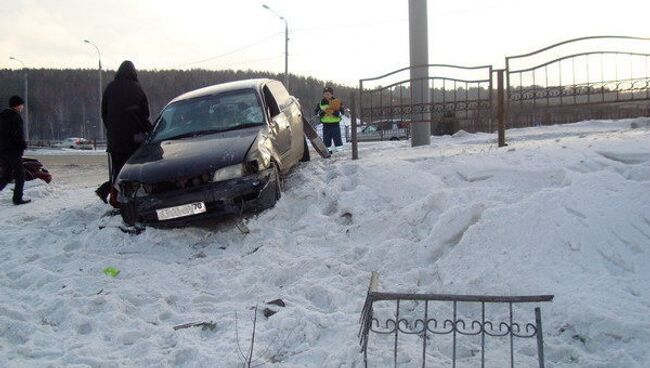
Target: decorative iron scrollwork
[(431, 325), (623, 88)]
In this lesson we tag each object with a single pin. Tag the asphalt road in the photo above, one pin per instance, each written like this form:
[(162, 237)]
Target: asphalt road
[(77, 169)]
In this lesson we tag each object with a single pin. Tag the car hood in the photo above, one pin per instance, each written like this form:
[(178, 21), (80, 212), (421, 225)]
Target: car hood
[(165, 160)]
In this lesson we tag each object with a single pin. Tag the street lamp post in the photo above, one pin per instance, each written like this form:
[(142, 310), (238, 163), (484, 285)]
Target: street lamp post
[(286, 45), (26, 97), (99, 95)]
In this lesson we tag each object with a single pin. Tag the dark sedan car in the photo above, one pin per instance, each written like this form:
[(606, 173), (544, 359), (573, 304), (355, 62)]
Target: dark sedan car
[(214, 151)]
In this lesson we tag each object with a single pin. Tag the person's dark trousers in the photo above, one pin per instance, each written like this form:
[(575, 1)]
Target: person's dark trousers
[(15, 162), (332, 132), (118, 159)]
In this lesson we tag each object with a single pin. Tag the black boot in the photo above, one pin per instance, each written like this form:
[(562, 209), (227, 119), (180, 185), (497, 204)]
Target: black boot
[(103, 191), (20, 201)]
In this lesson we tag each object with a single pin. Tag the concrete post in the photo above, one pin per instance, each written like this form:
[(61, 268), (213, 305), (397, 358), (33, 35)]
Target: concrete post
[(419, 52), (501, 116), (353, 126)]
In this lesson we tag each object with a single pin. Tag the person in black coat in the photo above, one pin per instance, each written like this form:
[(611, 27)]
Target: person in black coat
[(125, 112), (12, 145)]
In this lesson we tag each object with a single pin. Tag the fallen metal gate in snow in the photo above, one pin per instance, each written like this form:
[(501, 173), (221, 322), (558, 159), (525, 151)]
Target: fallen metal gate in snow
[(421, 319)]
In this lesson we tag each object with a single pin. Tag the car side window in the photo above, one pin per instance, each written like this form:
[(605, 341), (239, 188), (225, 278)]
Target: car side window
[(280, 94), (271, 104)]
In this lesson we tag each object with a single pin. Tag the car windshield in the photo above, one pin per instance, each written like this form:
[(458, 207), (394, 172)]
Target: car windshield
[(209, 114)]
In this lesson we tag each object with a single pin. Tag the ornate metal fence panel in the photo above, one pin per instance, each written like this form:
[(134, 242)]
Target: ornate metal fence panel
[(420, 330), (458, 98), (585, 78)]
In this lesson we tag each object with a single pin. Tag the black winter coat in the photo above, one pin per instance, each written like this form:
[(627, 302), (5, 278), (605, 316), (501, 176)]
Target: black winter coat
[(125, 111), (12, 138)]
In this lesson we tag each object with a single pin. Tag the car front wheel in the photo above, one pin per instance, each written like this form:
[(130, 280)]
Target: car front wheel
[(273, 191), (277, 179)]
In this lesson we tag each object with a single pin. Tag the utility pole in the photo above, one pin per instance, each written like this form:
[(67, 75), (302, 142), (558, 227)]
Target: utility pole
[(419, 53), (286, 45), (83, 120), (99, 98), (26, 97)]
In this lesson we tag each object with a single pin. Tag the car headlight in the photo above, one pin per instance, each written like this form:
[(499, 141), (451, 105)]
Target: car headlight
[(228, 172)]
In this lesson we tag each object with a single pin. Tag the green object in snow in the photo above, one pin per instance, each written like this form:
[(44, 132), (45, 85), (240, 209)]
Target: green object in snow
[(111, 271)]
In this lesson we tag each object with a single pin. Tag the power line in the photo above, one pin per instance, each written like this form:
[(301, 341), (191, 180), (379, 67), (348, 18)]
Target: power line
[(227, 53), (255, 61), (352, 25)]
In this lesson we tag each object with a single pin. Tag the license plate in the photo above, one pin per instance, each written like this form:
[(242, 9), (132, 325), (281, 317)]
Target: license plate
[(181, 211)]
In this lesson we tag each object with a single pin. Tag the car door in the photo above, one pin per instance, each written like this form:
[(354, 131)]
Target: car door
[(290, 107), (279, 126)]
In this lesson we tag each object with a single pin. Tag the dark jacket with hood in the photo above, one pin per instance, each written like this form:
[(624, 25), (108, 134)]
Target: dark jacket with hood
[(12, 138), (125, 111)]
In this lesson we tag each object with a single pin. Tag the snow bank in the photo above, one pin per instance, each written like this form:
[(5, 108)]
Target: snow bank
[(563, 210)]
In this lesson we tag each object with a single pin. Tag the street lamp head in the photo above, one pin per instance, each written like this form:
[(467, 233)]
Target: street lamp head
[(272, 11), (18, 60), (86, 41)]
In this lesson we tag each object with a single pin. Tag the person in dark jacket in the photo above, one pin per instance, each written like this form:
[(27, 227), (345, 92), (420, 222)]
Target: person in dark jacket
[(125, 112), (330, 111), (12, 145)]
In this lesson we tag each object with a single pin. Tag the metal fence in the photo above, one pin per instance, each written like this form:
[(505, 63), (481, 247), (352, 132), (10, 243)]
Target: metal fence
[(596, 77), (428, 322), (460, 96), (579, 78)]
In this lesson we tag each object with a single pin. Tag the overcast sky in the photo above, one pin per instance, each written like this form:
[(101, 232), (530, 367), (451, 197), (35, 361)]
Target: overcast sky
[(339, 40)]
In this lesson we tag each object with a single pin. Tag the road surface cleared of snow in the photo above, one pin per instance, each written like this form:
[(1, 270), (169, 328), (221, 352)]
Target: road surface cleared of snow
[(562, 210)]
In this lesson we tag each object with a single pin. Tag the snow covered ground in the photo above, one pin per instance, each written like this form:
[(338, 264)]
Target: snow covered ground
[(562, 210)]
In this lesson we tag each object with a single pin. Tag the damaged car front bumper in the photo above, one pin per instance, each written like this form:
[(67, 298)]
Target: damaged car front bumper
[(230, 197)]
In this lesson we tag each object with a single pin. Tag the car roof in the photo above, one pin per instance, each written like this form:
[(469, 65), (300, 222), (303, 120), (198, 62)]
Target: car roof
[(223, 87)]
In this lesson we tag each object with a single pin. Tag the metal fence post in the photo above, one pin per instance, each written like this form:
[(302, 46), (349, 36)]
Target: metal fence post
[(353, 125), (540, 337), (501, 111)]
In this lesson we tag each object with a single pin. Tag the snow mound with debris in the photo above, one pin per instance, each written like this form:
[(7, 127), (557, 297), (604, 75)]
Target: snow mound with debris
[(562, 210)]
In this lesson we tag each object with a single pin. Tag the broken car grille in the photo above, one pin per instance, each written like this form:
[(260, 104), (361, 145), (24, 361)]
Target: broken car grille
[(182, 183)]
